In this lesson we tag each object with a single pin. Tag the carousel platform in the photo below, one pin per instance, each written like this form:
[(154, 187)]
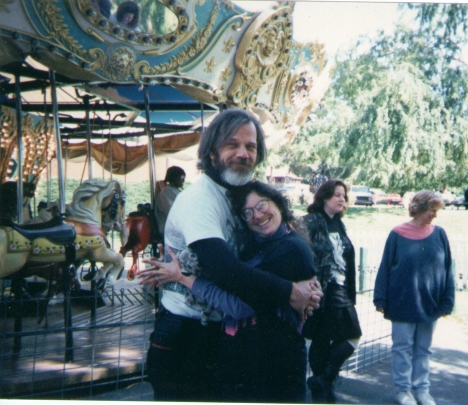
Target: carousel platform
[(106, 343)]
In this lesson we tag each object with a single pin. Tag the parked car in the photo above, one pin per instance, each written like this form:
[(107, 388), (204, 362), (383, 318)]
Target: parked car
[(362, 195), (393, 199), (448, 198), (458, 202), (379, 195)]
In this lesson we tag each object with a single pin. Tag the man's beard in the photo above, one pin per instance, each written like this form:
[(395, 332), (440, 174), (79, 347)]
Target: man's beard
[(233, 177)]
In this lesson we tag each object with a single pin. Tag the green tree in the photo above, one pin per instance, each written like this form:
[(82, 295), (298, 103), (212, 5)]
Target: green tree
[(395, 114)]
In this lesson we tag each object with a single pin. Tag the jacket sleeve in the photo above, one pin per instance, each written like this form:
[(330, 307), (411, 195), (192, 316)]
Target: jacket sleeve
[(383, 274), (321, 247), (448, 299), (255, 287), (221, 300)]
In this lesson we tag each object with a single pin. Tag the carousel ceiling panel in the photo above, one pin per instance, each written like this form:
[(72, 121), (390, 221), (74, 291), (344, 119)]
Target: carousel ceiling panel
[(212, 51), (166, 103)]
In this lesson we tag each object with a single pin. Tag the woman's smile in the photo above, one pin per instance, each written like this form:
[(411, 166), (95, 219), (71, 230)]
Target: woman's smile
[(264, 223)]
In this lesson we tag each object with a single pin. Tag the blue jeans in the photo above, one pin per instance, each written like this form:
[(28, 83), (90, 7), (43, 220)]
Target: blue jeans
[(411, 354)]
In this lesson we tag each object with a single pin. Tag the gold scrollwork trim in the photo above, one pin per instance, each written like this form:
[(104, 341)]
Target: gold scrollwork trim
[(196, 45), (263, 54), (60, 32), (58, 29)]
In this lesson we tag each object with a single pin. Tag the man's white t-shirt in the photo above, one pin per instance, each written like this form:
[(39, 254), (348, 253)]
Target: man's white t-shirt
[(201, 211)]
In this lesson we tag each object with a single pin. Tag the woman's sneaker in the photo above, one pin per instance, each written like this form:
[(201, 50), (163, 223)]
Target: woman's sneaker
[(405, 398), (425, 399)]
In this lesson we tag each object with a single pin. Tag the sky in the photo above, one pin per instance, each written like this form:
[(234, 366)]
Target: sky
[(337, 24)]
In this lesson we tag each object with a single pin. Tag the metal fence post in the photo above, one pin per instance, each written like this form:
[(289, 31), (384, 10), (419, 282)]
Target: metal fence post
[(362, 268), (458, 286)]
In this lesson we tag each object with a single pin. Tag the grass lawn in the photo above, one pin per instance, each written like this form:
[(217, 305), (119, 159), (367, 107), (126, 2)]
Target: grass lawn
[(383, 219)]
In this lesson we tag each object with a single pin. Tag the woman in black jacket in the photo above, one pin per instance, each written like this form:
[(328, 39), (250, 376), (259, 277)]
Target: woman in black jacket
[(334, 328)]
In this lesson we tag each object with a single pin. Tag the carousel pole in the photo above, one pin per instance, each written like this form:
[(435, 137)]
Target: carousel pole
[(202, 118), (110, 144), (19, 139), (102, 152), (88, 136), (150, 147), (58, 143), (110, 137), (46, 130), (69, 355), (18, 326)]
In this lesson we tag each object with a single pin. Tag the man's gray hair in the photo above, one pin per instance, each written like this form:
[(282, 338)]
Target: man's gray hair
[(223, 127)]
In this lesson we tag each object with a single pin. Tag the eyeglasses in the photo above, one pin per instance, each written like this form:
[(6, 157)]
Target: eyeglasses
[(248, 213)]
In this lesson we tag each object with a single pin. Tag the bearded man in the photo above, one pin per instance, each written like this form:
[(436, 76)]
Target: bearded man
[(182, 357)]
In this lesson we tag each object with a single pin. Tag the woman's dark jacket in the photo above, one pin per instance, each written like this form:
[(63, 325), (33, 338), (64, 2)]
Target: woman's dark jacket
[(322, 250)]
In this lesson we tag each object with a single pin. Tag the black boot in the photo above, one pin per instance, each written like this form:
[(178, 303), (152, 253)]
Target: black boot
[(339, 353), (318, 355), (318, 389)]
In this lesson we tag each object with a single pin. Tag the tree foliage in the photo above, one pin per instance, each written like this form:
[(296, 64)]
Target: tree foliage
[(395, 114)]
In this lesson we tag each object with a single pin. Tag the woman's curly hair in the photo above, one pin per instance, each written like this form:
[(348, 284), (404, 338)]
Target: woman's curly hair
[(238, 197), (424, 201)]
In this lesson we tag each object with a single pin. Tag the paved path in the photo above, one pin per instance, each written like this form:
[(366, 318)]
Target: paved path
[(449, 371), (374, 385)]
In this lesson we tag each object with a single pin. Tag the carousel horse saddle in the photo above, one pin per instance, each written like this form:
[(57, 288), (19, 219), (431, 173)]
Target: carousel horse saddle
[(55, 230)]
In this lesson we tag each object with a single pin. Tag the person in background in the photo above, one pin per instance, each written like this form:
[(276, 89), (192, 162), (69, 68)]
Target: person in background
[(334, 328), (182, 357), (263, 356), (174, 181), (102, 6), (127, 15), (316, 181), (413, 288), (302, 197)]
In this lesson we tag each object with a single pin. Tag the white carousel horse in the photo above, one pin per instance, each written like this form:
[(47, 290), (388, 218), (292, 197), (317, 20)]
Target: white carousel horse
[(49, 242)]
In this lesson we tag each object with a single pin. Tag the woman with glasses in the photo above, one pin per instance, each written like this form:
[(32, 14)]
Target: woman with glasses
[(263, 355), (334, 328)]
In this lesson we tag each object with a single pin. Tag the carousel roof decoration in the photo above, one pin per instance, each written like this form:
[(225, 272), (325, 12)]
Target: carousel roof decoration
[(193, 55), (39, 144)]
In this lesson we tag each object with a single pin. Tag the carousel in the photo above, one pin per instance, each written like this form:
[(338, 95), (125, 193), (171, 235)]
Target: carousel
[(78, 78)]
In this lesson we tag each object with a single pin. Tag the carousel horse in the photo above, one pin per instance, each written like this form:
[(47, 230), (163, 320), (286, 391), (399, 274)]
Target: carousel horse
[(74, 239), (140, 228)]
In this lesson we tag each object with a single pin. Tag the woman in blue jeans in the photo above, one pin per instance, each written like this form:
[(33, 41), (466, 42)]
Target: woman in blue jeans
[(262, 355), (413, 288)]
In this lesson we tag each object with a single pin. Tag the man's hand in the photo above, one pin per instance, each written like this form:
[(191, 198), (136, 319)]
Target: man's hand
[(305, 297)]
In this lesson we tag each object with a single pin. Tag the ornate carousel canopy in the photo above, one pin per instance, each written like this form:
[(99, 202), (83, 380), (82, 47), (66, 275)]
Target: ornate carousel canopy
[(193, 56)]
